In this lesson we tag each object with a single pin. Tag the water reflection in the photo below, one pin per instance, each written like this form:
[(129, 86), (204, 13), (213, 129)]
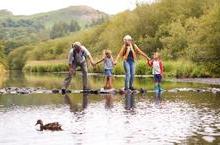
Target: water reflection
[(187, 117), (74, 107), (129, 101), (158, 98), (108, 101)]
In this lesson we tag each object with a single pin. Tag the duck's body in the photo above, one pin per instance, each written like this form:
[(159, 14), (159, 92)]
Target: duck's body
[(55, 126)]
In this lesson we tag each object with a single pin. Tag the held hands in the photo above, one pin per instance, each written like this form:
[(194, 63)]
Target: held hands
[(93, 63), (115, 62)]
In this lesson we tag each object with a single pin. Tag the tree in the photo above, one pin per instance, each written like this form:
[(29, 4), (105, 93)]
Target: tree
[(74, 26)]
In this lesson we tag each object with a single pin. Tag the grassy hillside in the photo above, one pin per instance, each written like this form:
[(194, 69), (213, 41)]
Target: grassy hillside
[(17, 30), (181, 30)]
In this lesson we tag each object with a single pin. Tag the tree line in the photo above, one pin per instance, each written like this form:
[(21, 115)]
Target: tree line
[(187, 30)]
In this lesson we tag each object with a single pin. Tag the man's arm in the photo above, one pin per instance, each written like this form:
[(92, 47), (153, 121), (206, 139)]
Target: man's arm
[(88, 54), (91, 60), (70, 59)]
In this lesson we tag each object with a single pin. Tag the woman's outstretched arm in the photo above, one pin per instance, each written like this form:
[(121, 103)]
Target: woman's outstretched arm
[(141, 52), (119, 54)]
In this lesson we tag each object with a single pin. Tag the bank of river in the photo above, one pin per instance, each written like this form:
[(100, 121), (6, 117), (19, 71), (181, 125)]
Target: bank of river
[(211, 81)]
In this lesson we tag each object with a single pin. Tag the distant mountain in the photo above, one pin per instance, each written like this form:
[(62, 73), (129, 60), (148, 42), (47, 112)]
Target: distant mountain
[(18, 30), (83, 14), (5, 13)]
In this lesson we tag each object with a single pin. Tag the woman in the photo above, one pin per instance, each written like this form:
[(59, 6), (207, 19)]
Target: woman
[(129, 52)]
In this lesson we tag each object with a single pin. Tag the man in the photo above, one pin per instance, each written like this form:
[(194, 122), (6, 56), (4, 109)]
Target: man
[(77, 57)]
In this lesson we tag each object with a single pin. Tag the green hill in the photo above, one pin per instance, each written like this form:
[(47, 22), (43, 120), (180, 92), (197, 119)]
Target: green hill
[(186, 33), (18, 30)]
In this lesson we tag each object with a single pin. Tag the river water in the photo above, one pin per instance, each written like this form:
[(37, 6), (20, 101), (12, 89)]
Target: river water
[(167, 118)]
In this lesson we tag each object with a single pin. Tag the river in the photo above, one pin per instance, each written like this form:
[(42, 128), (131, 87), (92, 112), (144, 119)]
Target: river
[(167, 118)]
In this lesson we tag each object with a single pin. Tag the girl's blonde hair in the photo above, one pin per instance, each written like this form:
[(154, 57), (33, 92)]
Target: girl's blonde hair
[(107, 51)]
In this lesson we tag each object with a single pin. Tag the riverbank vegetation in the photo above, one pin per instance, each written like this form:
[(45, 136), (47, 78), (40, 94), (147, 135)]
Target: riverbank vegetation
[(180, 68), (186, 33)]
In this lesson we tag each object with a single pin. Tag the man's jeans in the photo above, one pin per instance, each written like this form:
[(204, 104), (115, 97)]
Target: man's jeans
[(69, 76), (129, 67)]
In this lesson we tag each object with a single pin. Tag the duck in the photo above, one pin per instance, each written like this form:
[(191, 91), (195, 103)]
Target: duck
[(55, 126)]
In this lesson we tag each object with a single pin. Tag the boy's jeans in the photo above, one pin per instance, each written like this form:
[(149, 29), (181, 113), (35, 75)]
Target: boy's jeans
[(129, 67), (69, 76)]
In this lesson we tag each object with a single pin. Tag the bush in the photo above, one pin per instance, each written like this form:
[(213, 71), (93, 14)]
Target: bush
[(142, 68), (118, 69)]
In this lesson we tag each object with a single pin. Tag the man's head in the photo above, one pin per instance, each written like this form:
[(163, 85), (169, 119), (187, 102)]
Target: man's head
[(76, 45)]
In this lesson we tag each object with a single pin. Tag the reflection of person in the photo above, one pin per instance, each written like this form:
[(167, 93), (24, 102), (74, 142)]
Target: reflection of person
[(129, 101), (108, 66), (85, 100), (129, 51), (77, 57), (158, 98), (108, 101), (73, 107), (157, 70)]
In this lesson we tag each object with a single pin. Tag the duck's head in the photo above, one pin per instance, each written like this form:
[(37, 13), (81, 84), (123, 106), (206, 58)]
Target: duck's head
[(39, 122)]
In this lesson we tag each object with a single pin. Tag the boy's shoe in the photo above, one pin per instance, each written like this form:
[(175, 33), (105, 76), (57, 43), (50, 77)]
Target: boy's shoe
[(63, 91)]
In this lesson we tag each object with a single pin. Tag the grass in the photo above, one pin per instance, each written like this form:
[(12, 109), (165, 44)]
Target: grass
[(185, 69), (46, 66), (2, 75), (179, 68)]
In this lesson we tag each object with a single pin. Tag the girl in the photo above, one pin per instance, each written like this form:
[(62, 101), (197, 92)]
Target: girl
[(157, 70), (108, 66)]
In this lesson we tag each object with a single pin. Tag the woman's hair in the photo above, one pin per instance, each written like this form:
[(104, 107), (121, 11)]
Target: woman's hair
[(127, 37)]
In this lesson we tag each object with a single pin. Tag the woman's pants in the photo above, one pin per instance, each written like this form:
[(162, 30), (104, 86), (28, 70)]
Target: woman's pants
[(129, 67)]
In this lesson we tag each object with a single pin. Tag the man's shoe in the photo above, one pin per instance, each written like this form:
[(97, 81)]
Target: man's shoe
[(63, 91)]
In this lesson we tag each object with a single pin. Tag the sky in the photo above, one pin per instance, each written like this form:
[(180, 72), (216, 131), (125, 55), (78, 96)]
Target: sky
[(28, 7)]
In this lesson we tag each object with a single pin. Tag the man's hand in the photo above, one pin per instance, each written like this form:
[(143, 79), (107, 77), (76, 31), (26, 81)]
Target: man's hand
[(93, 63), (71, 69)]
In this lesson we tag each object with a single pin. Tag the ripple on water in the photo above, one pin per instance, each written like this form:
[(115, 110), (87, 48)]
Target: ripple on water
[(146, 123)]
